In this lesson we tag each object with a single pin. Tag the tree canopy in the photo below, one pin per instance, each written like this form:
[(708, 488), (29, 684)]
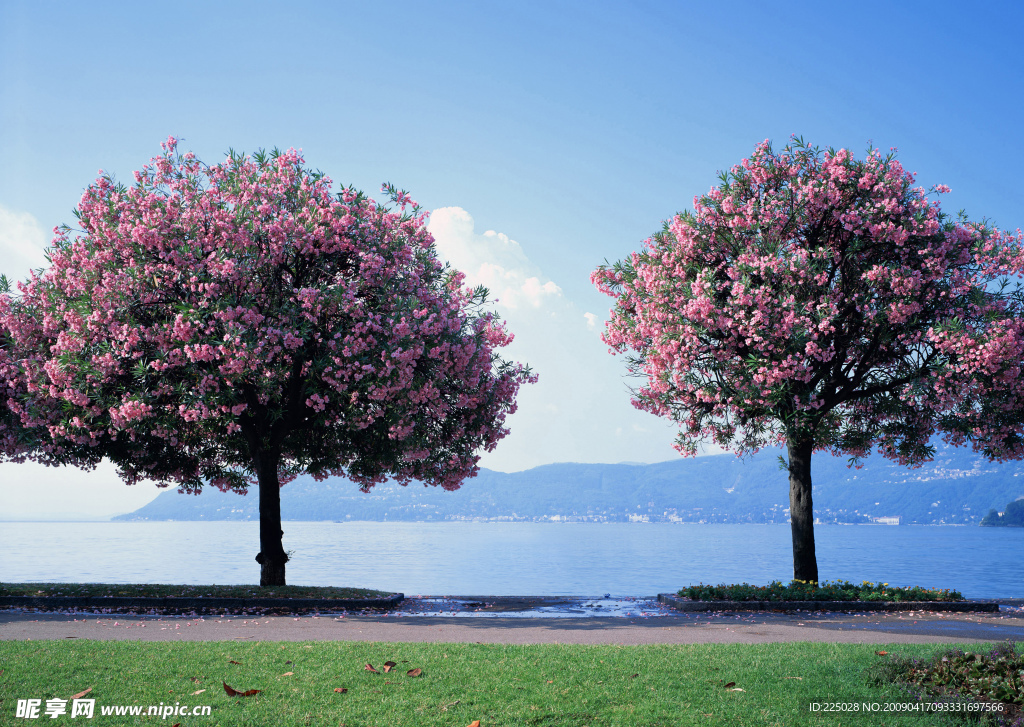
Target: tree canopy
[(826, 303), (238, 324)]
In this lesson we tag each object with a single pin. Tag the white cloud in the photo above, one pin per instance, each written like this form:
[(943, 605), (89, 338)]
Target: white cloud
[(22, 244), (31, 491), (491, 259), (536, 293), (580, 409)]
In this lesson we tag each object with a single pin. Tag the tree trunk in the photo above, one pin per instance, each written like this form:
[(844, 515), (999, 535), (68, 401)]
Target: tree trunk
[(271, 556), (801, 510)]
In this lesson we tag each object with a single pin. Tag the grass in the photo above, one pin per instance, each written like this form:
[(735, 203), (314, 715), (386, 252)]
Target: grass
[(157, 590), (827, 591), (701, 684)]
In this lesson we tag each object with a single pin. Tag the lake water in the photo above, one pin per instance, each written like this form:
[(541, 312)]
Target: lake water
[(482, 558)]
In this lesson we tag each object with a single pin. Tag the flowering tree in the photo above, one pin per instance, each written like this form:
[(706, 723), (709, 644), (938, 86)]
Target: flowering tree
[(823, 302), (238, 324)]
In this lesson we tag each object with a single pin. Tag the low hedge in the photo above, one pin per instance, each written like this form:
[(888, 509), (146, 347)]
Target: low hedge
[(826, 591)]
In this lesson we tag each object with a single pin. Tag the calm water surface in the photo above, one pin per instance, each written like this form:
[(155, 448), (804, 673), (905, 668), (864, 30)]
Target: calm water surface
[(478, 558)]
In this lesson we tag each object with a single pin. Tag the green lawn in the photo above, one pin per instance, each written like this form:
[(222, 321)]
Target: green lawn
[(459, 683)]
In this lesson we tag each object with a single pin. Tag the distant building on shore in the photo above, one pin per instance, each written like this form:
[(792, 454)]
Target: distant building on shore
[(888, 520)]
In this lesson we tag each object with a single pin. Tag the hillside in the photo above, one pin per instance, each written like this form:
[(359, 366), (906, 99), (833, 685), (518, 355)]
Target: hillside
[(957, 487)]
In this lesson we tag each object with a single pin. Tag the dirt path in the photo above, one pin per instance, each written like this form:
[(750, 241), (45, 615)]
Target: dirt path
[(915, 627)]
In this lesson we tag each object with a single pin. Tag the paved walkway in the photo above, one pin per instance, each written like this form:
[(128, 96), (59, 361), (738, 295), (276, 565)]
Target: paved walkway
[(748, 628)]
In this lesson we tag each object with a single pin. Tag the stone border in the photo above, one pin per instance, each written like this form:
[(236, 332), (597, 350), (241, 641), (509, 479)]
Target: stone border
[(682, 604), (173, 604)]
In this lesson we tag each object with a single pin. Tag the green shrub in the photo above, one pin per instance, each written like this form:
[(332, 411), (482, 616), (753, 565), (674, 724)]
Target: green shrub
[(962, 676), (826, 591)]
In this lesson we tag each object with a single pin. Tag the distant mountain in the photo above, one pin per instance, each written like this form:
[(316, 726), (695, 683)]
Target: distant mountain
[(1011, 517), (957, 487)]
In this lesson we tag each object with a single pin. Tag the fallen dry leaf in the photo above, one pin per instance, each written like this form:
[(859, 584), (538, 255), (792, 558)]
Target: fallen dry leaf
[(232, 661), (340, 690), (369, 667), (730, 684), (389, 665), (198, 691), (882, 653), (475, 723), (288, 674), (551, 681), (737, 689), (800, 678), (196, 680), (414, 672), (287, 662), (82, 694), (633, 676), (232, 692)]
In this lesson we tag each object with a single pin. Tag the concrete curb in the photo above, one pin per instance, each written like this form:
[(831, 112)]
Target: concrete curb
[(682, 604), (171, 604)]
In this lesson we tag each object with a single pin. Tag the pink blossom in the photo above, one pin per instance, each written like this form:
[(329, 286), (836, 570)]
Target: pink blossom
[(820, 298)]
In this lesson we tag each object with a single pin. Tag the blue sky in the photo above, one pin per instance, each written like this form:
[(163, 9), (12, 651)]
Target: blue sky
[(547, 136)]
